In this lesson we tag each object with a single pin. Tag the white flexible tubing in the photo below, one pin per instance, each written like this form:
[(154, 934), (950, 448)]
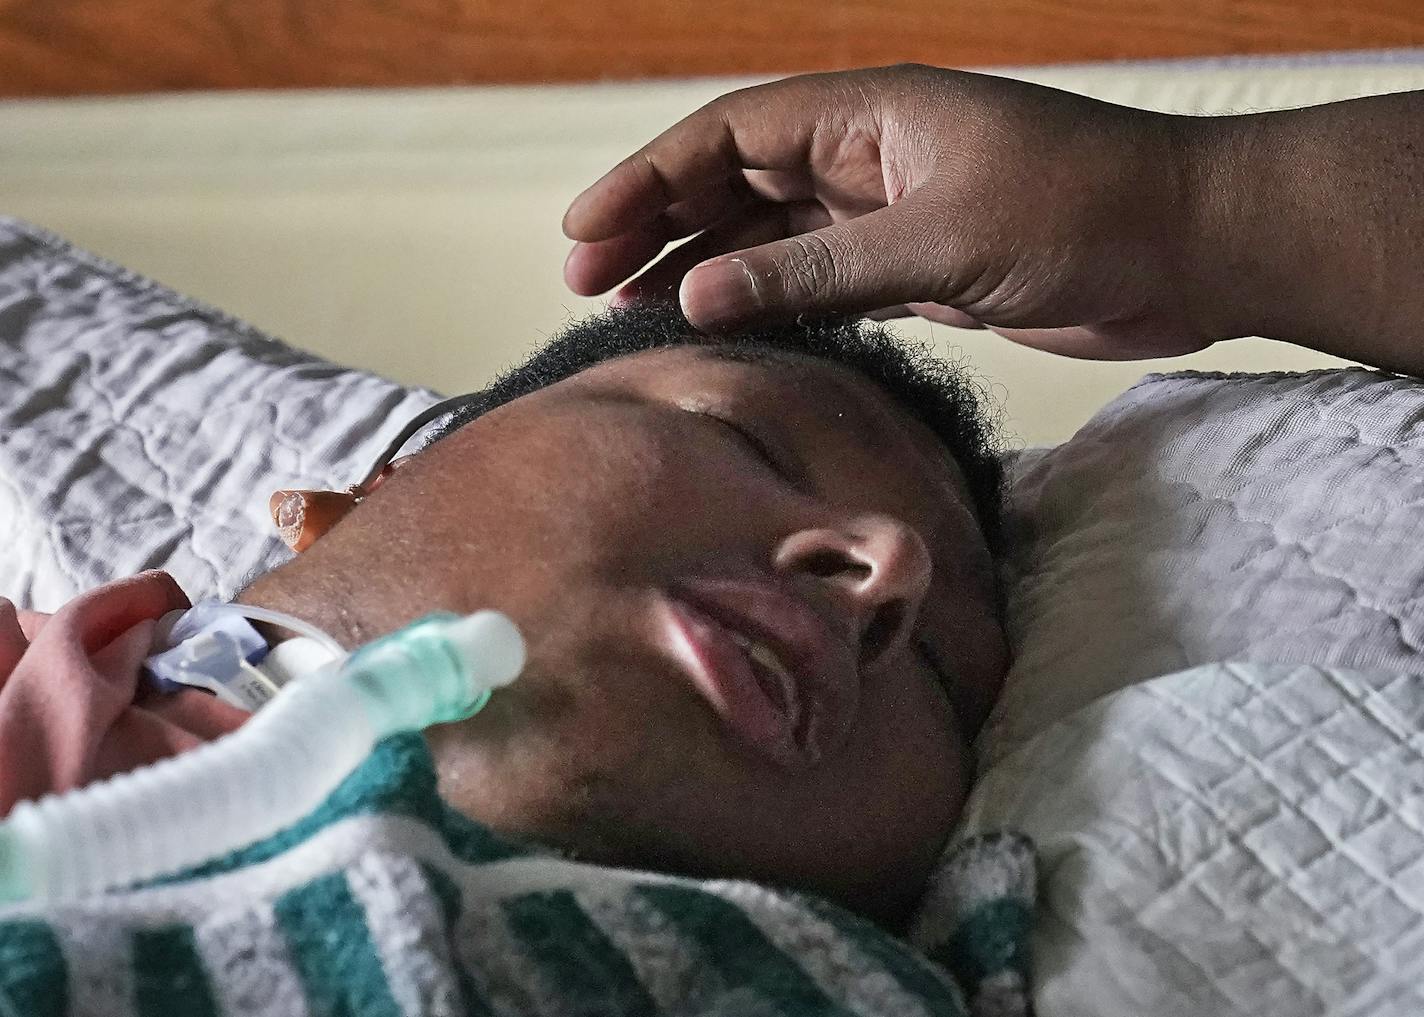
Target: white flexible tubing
[(263, 777), (181, 811), (289, 622)]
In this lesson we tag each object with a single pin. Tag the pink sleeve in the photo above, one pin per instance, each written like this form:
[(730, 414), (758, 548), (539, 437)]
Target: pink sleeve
[(73, 708)]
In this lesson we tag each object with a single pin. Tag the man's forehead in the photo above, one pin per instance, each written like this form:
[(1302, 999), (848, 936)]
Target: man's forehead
[(858, 404), (731, 352), (768, 356)]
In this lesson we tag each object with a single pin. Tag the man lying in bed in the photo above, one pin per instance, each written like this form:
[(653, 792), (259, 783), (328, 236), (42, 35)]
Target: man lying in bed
[(755, 585), (754, 577), (758, 587)]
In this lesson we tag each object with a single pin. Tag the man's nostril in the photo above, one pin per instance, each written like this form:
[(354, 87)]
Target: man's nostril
[(883, 627), (829, 564)]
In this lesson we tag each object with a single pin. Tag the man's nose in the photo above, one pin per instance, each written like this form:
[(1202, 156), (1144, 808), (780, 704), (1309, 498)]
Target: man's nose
[(874, 567)]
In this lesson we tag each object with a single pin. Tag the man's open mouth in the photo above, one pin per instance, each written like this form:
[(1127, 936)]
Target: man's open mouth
[(767, 663)]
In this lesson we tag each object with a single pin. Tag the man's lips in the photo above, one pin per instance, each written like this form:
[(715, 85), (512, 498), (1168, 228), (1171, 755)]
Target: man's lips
[(769, 666)]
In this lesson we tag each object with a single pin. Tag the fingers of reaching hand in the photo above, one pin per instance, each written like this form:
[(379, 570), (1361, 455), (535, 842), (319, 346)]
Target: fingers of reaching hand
[(1128, 339), (780, 185), (701, 173), (755, 128), (645, 185), (941, 314), (878, 260), (757, 225), (593, 267), (945, 315)]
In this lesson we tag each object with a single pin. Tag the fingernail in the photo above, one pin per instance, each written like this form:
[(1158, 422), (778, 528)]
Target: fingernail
[(719, 292)]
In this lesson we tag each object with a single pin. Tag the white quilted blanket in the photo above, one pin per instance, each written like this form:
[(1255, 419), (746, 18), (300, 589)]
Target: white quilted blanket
[(1231, 839)]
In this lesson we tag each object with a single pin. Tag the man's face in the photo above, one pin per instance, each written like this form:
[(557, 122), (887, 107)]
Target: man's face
[(757, 611)]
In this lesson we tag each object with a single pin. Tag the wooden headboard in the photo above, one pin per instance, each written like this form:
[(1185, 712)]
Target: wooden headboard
[(77, 47)]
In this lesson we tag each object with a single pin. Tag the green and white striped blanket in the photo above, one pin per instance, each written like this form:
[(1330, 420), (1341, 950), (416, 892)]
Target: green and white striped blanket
[(385, 902)]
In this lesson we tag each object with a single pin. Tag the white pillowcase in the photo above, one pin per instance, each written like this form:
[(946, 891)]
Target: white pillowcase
[(1276, 518), (141, 429)]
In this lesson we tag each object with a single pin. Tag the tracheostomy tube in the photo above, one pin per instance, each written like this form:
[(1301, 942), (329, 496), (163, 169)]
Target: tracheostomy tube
[(264, 776)]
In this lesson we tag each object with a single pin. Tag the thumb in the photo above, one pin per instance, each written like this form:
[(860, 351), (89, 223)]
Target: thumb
[(887, 257)]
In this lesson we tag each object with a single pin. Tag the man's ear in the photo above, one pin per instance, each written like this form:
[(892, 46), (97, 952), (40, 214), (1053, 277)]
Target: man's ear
[(303, 517)]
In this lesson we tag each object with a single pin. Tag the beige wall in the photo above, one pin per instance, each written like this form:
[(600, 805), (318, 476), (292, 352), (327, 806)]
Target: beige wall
[(416, 233)]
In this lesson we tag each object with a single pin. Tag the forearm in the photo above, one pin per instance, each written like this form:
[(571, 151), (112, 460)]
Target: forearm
[(1312, 227)]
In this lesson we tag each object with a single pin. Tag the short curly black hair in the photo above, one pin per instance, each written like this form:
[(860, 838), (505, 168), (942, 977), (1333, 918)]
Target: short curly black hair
[(939, 393)]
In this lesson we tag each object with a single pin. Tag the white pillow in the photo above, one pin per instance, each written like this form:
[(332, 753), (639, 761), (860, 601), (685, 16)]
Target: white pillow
[(140, 429), (1203, 517)]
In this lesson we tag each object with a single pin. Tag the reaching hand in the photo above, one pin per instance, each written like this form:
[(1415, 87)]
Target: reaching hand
[(1060, 221)]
